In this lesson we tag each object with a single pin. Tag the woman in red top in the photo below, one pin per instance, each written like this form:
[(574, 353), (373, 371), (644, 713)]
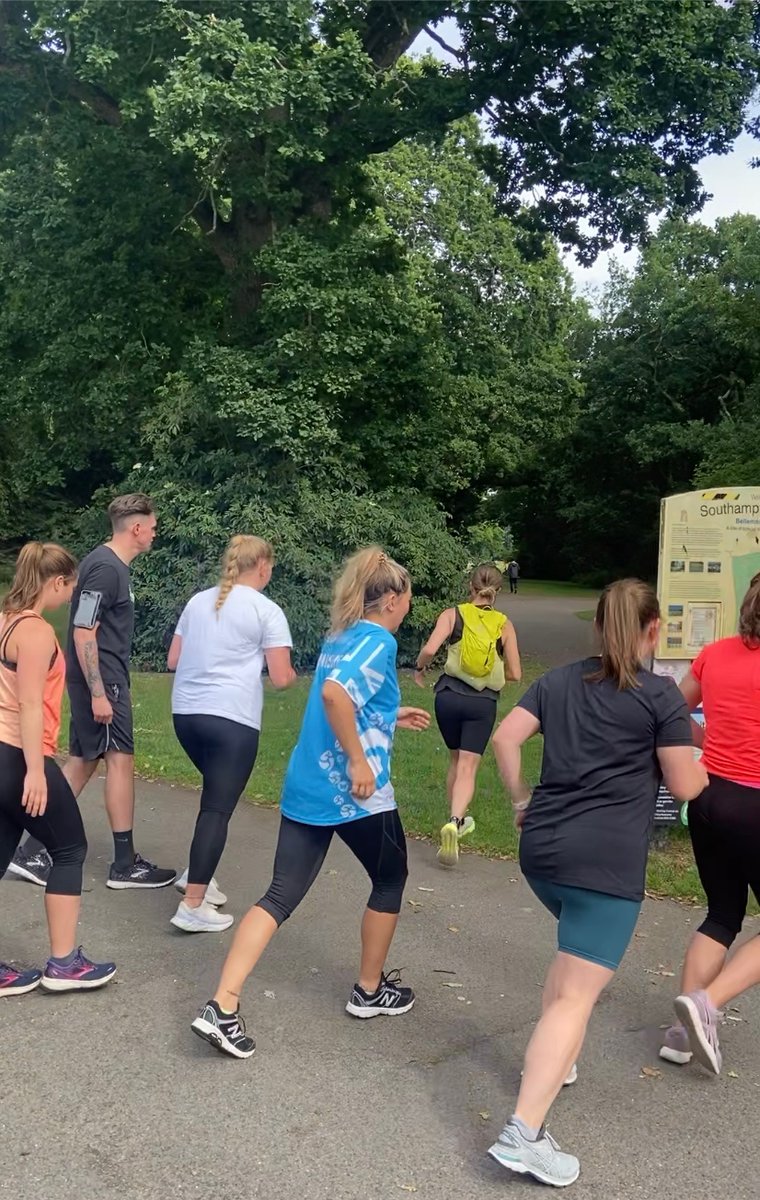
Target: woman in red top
[(33, 792), (724, 823)]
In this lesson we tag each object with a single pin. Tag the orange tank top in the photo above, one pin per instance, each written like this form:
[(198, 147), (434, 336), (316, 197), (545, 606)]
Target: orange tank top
[(52, 696)]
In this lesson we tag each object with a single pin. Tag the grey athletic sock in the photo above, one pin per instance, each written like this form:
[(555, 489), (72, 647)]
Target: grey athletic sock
[(530, 1134), (123, 850), (64, 962)]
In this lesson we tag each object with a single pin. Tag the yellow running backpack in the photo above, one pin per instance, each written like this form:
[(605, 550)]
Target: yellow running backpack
[(481, 629)]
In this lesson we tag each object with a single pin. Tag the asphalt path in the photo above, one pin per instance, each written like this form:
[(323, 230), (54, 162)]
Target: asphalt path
[(110, 1096)]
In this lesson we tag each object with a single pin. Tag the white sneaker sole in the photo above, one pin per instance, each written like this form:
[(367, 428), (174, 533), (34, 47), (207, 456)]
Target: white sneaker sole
[(188, 926), (20, 989), (681, 1058), (358, 1010), (22, 873), (448, 855), (211, 1034), (688, 1015), (122, 885), (521, 1168), (74, 985)]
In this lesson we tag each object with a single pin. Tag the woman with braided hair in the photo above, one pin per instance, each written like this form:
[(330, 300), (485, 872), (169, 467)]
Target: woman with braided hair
[(224, 636), (338, 782)]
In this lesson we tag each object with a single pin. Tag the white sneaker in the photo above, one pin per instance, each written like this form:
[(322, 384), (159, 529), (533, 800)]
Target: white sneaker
[(213, 893), (202, 919)]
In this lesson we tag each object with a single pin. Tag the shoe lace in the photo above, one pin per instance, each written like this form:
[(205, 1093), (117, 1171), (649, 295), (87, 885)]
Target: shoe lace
[(392, 979), (235, 1026), (143, 862)]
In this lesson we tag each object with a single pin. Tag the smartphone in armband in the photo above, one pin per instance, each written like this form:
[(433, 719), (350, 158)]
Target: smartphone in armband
[(88, 608)]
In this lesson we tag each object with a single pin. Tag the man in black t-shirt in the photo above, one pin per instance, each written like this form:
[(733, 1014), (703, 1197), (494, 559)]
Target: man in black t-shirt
[(97, 662)]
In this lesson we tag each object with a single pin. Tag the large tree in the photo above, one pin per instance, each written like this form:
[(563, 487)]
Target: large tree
[(263, 113)]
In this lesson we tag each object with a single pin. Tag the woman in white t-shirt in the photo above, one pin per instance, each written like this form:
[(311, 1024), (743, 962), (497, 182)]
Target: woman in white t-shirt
[(222, 640)]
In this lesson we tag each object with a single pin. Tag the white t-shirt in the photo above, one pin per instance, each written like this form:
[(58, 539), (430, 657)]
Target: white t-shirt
[(222, 655)]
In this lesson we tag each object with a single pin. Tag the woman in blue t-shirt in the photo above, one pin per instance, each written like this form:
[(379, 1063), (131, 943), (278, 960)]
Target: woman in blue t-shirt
[(338, 781), (611, 731)]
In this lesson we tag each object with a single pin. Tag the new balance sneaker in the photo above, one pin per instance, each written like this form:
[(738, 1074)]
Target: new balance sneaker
[(81, 975), (448, 853), (675, 1046), (35, 868), (224, 1031), (542, 1159), (141, 874), (390, 999), (214, 895), (14, 981), (699, 1017), (200, 918)]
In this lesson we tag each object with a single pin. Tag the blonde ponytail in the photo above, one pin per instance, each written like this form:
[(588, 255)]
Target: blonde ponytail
[(624, 611), (367, 576), (243, 553), (36, 565)]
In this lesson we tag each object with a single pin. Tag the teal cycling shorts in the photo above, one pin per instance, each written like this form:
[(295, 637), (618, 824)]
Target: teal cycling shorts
[(592, 925)]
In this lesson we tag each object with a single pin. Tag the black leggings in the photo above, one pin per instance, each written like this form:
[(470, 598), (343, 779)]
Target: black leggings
[(377, 841), (224, 752), (724, 823), (466, 721), (60, 827)]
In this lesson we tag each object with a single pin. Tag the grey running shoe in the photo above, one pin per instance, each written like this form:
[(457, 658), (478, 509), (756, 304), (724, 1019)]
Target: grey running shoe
[(675, 1046), (700, 1018), (35, 868), (542, 1159)]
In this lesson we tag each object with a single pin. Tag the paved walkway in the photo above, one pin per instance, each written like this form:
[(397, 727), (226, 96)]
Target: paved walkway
[(110, 1097), (548, 628)]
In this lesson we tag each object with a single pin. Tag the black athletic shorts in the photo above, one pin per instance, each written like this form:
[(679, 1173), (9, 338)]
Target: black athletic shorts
[(465, 722), (88, 738)]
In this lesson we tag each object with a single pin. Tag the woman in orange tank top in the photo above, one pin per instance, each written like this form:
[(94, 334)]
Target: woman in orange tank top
[(34, 795)]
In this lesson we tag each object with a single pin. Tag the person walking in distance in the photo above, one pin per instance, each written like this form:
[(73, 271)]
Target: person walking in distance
[(724, 825), (223, 639), (98, 652), (338, 782), (33, 792), (611, 730), (482, 655), (513, 571)]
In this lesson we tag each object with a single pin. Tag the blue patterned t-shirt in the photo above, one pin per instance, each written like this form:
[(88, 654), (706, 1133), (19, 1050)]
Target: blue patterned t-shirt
[(317, 787)]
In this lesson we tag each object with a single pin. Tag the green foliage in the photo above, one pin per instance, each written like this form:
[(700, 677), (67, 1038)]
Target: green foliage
[(672, 401)]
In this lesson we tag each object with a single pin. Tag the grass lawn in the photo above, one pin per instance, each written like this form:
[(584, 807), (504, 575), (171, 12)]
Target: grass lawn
[(588, 614), (419, 770)]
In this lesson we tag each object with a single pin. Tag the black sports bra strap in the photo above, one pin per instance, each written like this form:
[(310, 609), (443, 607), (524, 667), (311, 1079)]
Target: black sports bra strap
[(7, 633)]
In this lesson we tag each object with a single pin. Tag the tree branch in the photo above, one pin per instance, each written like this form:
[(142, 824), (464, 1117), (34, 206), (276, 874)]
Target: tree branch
[(392, 26), (457, 54)]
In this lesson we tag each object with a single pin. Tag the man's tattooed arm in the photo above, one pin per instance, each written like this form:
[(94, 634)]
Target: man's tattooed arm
[(87, 653)]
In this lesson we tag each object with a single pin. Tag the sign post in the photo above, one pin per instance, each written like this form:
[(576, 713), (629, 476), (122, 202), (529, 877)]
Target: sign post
[(709, 552)]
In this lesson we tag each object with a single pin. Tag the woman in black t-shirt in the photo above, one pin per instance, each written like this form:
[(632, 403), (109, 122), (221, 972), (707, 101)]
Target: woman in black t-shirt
[(611, 730)]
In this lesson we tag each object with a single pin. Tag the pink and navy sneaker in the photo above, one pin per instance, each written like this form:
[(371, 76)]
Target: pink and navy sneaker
[(76, 975), (14, 981)]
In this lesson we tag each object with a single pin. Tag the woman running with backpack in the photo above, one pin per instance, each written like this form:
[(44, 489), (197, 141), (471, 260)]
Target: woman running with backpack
[(611, 730), (482, 656), (338, 782)]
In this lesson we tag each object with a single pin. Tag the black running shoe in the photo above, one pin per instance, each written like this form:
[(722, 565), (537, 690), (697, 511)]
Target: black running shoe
[(226, 1032), (35, 868), (141, 874), (390, 999)]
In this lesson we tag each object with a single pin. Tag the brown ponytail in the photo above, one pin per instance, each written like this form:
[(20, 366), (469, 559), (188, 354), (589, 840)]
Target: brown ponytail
[(486, 582), (624, 611), (749, 615), (36, 565), (366, 577), (243, 553)]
